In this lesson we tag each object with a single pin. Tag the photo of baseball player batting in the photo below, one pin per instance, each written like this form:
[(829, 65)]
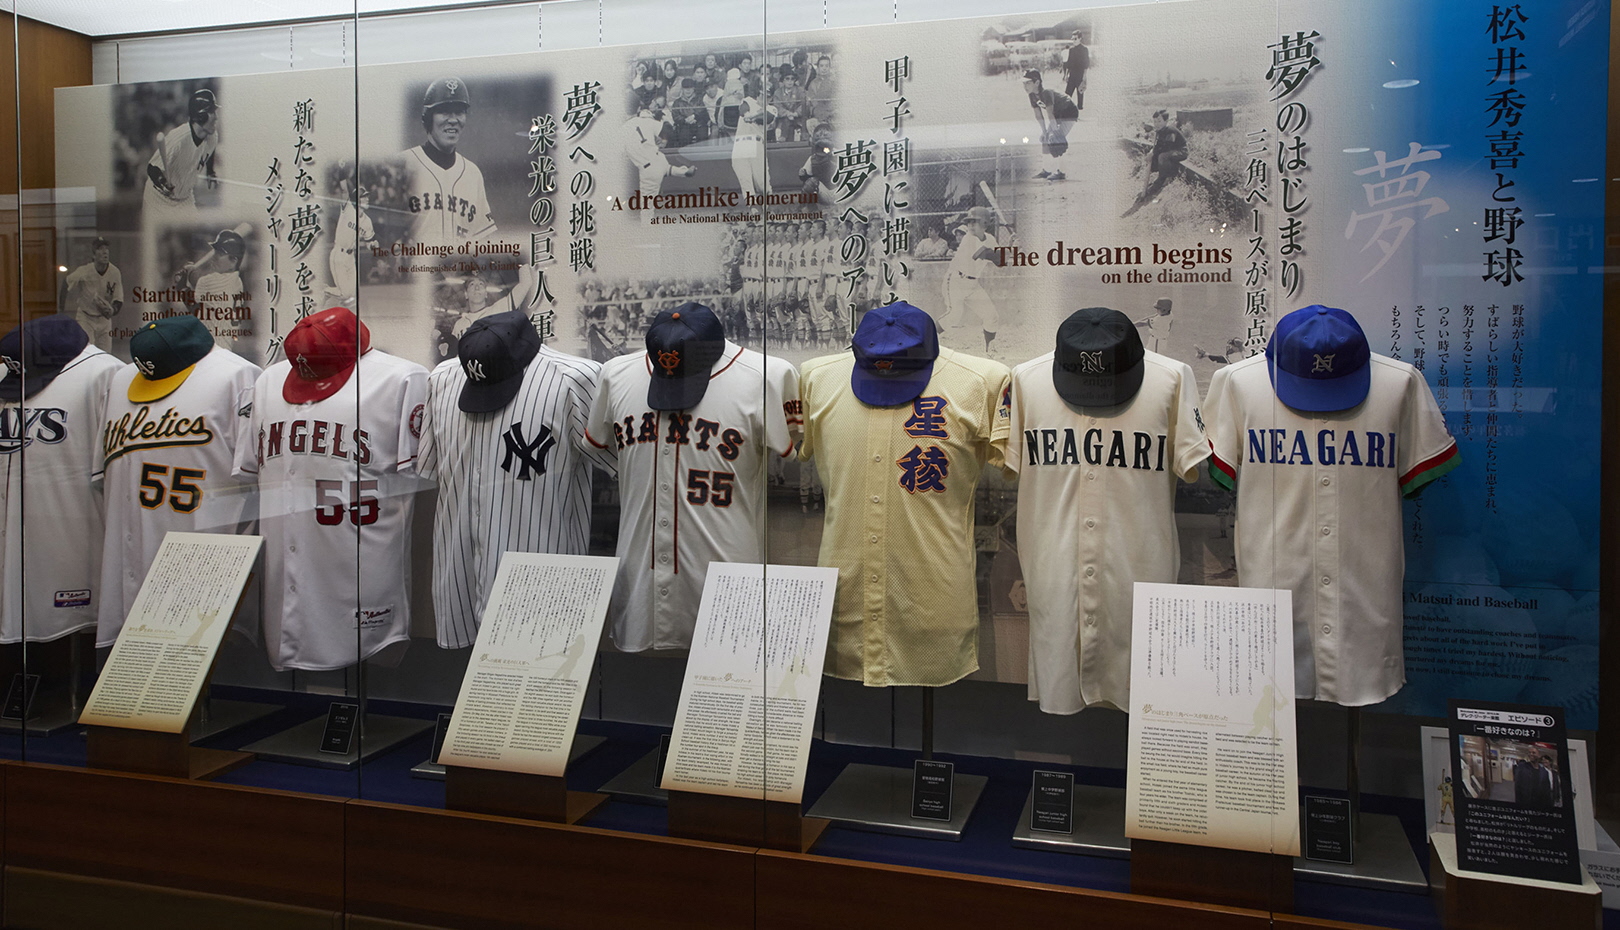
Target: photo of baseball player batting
[(165, 148), (205, 273)]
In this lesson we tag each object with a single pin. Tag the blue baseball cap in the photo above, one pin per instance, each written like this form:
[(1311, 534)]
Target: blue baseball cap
[(895, 348), (36, 352), (682, 346), (495, 352), (1319, 360)]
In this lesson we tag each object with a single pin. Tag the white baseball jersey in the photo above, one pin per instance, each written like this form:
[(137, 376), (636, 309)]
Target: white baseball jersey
[(335, 510), (515, 480), (900, 484), (166, 466), (223, 303), (1319, 513), (964, 283), (691, 484), (641, 147), (182, 160), (1096, 514), (447, 205), (86, 284), (52, 527)]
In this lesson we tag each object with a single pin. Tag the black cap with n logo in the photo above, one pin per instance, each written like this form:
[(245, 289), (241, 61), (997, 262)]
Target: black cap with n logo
[(1098, 362)]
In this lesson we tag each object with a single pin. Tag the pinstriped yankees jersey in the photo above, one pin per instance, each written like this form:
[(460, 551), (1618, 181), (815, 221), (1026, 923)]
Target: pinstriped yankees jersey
[(514, 480), (691, 484)]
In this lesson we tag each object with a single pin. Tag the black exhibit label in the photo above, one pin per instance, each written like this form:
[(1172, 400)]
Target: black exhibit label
[(1052, 803), (931, 786)]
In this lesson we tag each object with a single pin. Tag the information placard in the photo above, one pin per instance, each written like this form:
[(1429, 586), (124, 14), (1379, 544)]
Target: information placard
[(754, 675), (520, 699), (1212, 745), (167, 645)]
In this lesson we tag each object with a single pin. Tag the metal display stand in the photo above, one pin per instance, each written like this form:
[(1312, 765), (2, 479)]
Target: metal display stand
[(1383, 857), (878, 798), (59, 669), (1099, 825), (639, 782), (583, 746), (301, 745)]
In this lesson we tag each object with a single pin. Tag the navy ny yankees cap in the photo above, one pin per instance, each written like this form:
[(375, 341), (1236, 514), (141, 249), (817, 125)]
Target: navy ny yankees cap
[(682, 346), (35, 353), (164, 352), (1098, 361), (323, 348), (494, 353), (895, 348), (1319, 360)]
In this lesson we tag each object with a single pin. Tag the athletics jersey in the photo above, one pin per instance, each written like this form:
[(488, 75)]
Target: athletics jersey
[(900, 483), (691, 484), (1319, 513), (335, 504), (166, 466), (447, 205), (51, 522), (1096, 513), (182, 161), (515, 480)]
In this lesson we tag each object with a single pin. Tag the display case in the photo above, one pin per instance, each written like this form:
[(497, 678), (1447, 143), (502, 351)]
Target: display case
[(1134, 458)]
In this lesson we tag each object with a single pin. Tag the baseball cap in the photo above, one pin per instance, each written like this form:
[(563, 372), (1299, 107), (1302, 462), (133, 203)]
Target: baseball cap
[(1319, 360), (494, 352), (99, 242), (1032, 75), (323, 349), (165, 351), (682, 346), (202, 101), (444, 92), (230, 242), (35, 353), (982, 214), (895, 348), (1098, 361)]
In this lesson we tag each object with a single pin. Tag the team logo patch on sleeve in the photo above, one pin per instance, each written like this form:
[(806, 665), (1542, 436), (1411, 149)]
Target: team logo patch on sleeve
[(416, 420)]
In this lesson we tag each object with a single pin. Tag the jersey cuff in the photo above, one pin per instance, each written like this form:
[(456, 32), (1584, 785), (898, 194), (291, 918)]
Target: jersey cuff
[(1220, 472), (1425, 472), (593, 441)]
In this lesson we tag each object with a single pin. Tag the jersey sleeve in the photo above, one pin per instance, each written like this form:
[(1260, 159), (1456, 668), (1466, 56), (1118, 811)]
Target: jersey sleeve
[(1187, 437), (118, 285), (1224, 429), (481, 198), (1426, 449), (412, 411), (784, 410), (245, 462), (807, 439), (1014, 461), (1000, 399), (580, 401), (427, 448), (596, 438)]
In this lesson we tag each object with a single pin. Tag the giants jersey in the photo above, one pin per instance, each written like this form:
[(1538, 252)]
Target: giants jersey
[(331, 471), (52, 525), (1319, 513), (447, 205), (514, 480), (166, 466), (182, 161), (900, 483), (1096, 514), (691, 484)]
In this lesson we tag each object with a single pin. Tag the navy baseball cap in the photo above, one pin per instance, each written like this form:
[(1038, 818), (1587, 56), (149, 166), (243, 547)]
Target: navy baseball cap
[(494, 353), (164, 352), (1319, 360), (36, 352), (682, 346), (1098, 360), (895, 348), (323, 348)]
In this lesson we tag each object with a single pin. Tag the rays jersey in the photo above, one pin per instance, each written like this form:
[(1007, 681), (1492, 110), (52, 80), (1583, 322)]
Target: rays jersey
[(691, 484), (447, 205), (336, 494), (514, 480), (49, 446), (166, 466)]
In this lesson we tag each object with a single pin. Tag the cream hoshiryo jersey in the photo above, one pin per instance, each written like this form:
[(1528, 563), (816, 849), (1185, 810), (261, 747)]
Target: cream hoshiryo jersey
[(900, 485), (1096, 513), (1319, 513), (447, 205), (692, 484), (514, 480), (166, 466), (324, 475), (49, 446)]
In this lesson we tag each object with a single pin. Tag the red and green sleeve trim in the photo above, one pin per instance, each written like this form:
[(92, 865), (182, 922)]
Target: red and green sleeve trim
[(1220, 472), (1426, 471)]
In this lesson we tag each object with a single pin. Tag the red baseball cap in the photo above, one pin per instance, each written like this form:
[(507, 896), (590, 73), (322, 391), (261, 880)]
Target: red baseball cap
[(323, 349)]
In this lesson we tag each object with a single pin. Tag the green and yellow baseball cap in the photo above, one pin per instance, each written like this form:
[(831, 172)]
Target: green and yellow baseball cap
[(165, 351)]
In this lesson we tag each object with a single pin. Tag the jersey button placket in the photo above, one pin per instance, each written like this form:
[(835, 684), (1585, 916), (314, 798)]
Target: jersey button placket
[(1326, 543), (881, 426), (665, 556)]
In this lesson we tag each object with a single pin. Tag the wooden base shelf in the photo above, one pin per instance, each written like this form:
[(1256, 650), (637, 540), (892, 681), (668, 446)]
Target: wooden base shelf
[(144, 752), (517, 794), (716, 818)]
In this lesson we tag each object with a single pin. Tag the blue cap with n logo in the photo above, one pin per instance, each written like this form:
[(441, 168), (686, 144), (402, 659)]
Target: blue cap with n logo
[(1319, 360)]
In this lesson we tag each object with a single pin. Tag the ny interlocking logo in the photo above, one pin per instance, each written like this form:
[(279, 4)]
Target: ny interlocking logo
[(475, 369), (1323, 363), (530, 454)]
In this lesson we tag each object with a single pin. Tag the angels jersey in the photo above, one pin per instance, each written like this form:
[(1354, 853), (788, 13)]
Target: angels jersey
[(166, 466), (1096, 514), (447, 205), (51, 523), (900, 483), (691, 484), (335, 511), (515, 480), (1319, 513)]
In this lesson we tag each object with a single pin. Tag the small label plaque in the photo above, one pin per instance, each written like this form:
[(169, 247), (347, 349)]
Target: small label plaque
[(1328, 830), (341, 722), (1052, 803), (931, 786), (440, 728), (19, 697)]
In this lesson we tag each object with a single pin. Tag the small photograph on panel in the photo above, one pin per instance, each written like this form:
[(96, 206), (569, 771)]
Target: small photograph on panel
[(203, 271), (165, 149)]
